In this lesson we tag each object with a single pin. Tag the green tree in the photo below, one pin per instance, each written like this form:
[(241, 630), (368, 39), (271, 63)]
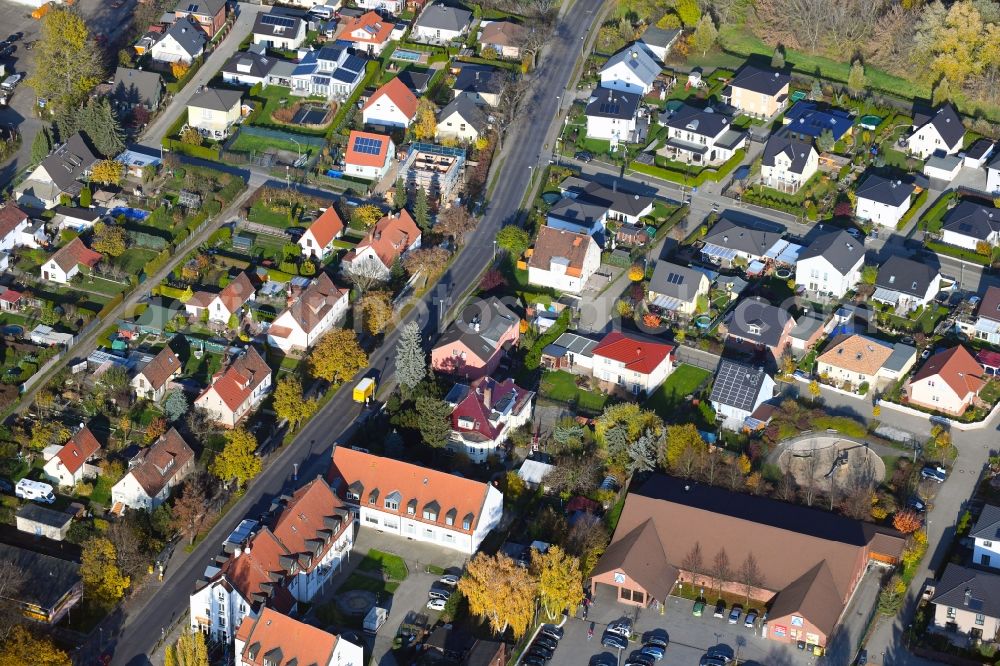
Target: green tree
[(778, 58), (290, 403), (175, 405), (704, 35), (103, 582), (435, 421), (109, 239), (41, 145), (85, 196), (684, 448), (825, 141), (514, 240), (421, 210), (99, 121), (411, 363), (67, 62), (238, 460), (856, 80), (688, 12), (869, 274), (399, 194)]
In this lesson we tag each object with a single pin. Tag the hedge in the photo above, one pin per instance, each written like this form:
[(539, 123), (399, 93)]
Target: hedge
[(534, 356), (683, 178), (935, 214), (908, 215), (958, 253), (203, 152), (174, 86), (157, 262)]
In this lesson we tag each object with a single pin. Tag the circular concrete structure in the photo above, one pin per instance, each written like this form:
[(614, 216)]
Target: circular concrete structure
[(829, 459), (356, 602)]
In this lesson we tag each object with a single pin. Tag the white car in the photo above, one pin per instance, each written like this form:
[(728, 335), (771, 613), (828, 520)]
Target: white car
[(448, 580), (436, 604)]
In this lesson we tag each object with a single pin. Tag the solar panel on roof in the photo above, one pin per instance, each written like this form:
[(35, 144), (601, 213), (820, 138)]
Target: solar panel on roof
[(367, 145), (610, 107), (283, 21)]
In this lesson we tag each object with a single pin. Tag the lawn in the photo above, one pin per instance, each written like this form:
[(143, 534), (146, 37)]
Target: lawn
[(247, 143), (261, 214), (669, 398), (990, 393), (390, 566), (359, 581), (560, 386), (102, 285), (272, 97), (135, 259), (934, 217)]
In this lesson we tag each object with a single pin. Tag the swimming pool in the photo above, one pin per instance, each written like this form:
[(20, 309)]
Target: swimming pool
[(132, 214), (408, 56)]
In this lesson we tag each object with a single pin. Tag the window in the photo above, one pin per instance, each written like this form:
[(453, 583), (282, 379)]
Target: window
[(980, 619), (429, 534), (449, 520), (371, 519), (392, 505), (987, 544), (353, 496), (951, 613), (222, 622)]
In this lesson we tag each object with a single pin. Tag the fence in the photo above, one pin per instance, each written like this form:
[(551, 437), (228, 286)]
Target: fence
[(55, 360)]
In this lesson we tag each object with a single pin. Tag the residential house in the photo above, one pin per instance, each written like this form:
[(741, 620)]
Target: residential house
[(418, 503), (277, 639), (810, 560), (368, 155), (150, 382), (213, 112), (986, 537), (762, 326), (392, 105), (624, 202), (13, 223), (369, 33), (183, 42), (636, 364), (987, 323), (474, 344), (505, 38), (136, 158), (809, 329), (287, 560), (676, 290), (831, 265), (969, 224), (247, 68), (331, 72), (317, 241), (570, 352), (993, 174), (612, 115), (906, 284), (978, 154), (209, 15), (728, 243), (788, 163), (855, 360), (391, 238), (738, 392), (41, 522), (59, 173), (62, 266), (949, 382), (631, 70), (659, 41), (437, 170), (74, 460), (882, 200), (701, 136), (236, 390), (462, 120), (439, 24), (940, 133), (807, 120), (416, 80), (757, 92), (136, 87), (153, 472), (578, 215), (481, 83), (76, 218), (226, 304), (563, 260), (313, 312), (966, 604), (484, 414), (49, 588), (279, 31)]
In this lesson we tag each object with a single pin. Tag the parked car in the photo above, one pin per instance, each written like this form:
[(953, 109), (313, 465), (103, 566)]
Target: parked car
[(532, 660), (751, 618), (657, 640), (436, 593), (719, 654), (720, 609), (654, 651), (734, 614), (621, 627), (584, 155), (862, 658), (542, 651), (552, 631), (448, 580), (640, 659), (699, 608), (547, 642), (436, 604), (916, 504), (934, 473), (612, 640)]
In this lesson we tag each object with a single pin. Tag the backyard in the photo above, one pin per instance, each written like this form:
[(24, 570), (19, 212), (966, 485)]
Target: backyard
[(561, 386)]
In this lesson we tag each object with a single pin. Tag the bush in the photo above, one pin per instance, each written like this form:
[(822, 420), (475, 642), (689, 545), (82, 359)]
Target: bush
[(960, 253), (534, 356), (908, 215)]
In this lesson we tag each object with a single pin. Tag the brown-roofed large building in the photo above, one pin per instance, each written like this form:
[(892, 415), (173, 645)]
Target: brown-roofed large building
[(311, 312), (563, 260), (151, 381), (74, 461), (949, 382), (66, 262), (317, 241), (414, 502), (391, 237), (239, 388), (153, 472), (277, 639), (504, 38), (286, 560), (810, 561)]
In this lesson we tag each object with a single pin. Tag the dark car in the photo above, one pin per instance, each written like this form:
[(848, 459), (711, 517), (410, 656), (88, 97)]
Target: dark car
[(863, 658), (916, 504), (658, 641), (614, 641), (654, 651), (642, 659), (750, 619), (533, 660), (546, 641), (552, 631), (15, 37), (6, 486), (734, 614), (720, 609), (542, 651), (584, 155), (934, 473)]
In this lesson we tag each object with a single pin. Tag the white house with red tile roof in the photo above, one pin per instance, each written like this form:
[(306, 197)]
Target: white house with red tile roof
[(637, 364), (223, 305), (484, 415), (237, 390), (416, 503), (13, 221), (368, 33), (318, 239), (368, 155), (949, 382), (392, 105), (153, 472), (72, 462), (309, 315), (151, 381), (11, 300), (65, 263), (277, 639), (391, 237)]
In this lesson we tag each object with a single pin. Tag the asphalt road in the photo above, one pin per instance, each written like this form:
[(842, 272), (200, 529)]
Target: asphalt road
[(137, 633)]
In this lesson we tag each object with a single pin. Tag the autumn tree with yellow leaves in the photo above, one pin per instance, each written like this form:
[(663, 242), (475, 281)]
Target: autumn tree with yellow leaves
[(501, 592), (560, 581), (103, 582)]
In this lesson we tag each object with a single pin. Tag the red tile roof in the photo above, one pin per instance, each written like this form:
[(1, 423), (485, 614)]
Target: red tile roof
[(78, 449), (161, 368), (158, 464), (390, 237), (297, 642), (11, 296), (399, 94), (303, 521), (251, 571), (376, 30), (326, 227), (10, 217), (237, 292), (957, 368), (638, 355), (238, 382), (352, 156), (74, 253), (478, 406)]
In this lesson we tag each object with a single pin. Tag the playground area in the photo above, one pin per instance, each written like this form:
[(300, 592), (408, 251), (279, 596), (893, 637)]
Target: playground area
[(825, 460)]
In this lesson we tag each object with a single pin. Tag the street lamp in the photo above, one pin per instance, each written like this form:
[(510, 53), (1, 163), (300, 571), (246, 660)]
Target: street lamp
[(298, 150)]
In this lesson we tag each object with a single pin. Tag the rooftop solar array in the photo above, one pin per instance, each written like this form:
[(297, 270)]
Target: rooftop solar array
[(610, 107), (736, 385), (367, 145), (283, 21)]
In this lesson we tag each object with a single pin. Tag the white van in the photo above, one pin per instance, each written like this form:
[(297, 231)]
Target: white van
[(322, 11), (35, 491)]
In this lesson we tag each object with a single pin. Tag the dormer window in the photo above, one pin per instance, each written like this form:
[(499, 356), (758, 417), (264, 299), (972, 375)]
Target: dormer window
[(431, 510), (449, 518), (411, 507), (392, 501), (467, 521), (753, 329)]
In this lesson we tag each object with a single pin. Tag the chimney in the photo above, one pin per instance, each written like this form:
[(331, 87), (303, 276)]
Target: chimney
[(968, 595), (237, 552), (487, 395)]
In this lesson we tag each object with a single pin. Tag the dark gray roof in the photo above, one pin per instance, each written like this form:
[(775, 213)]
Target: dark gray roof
[(764, 81), (277, 25), (467, 109), (988, 524), (69, 162), (660, 37), (972, 219), (699, 121), (979, 149), (608, 103), (47, 579), (480, 327), (842, 250), (905, 276), (900, 357), (884, 190), (352, 68), (89, 214), (757, 321), (439, 17), (679, 282), (209, 7), (619, 199), (737, 385), (476, 78), (968, 589), (948, 124), (39, 514), (797, 151), (249, 64), (135, 86), (216, 99), (731, 235), (577, 344), (188, 35), (576, 211), (807, 325), (414, 80)]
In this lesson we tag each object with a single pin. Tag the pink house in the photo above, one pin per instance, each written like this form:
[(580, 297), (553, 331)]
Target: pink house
[(474, 344)]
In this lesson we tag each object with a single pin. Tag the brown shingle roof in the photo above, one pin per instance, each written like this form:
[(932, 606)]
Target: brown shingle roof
[(857, 353), (240, 379), (80, 446), (555, 243), (391, 236), (237, 292), (503, 33), (10, 217), (75, 252), (957, 368), (326, 227), (640, 553), (312, 305), (810, 596), (161, 368), (159, 463)]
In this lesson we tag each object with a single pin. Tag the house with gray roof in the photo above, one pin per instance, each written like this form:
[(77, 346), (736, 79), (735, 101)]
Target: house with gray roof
[(623, 202), (632, 70), (462, 120), (42, 522), (49, 588), (475, 343), (986, 536), (483, 84), (831, 265), (940, 133), (756, 324), (738, 391), (966, 604), (788, 163), (728, 241), (136, 87), (247, 68), (59, 173), (757, 91), (439, 24), (675, 289), (214, 111), (701, 136), (580, 215), (883, 200), (276, 30), (612, 115), (906, 284), (969, 223), (659, 41), (571, 352), (182, 42)]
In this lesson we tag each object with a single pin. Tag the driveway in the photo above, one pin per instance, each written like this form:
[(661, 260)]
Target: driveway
[(842, 646)]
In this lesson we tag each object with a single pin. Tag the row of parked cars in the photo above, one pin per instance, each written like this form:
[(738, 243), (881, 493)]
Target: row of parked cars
[(441, 591), (543, 648), (617, 635)]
